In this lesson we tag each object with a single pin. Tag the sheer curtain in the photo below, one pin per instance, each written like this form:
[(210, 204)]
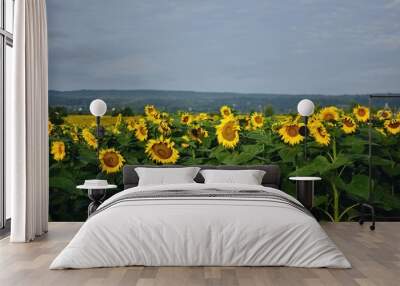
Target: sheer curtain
[(27, 151)]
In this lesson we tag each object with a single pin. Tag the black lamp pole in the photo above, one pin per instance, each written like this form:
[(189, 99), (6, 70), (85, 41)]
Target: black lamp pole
[(99, 134), (305, 136)]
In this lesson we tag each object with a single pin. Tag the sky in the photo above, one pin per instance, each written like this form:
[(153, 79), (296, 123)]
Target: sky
[(270, 46)]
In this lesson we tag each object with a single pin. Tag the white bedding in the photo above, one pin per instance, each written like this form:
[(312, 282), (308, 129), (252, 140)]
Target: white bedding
[(200, 231)]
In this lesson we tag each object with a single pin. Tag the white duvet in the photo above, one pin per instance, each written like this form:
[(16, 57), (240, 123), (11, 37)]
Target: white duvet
[(193, 231)]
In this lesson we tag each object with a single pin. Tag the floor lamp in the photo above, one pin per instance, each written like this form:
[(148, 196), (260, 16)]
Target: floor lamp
[(98, 108), (305, 108)]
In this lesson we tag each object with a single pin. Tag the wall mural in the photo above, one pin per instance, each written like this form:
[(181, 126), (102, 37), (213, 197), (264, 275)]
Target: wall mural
[(199, 83)]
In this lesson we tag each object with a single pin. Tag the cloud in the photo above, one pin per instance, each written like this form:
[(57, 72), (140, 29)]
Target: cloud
[(257, 46)]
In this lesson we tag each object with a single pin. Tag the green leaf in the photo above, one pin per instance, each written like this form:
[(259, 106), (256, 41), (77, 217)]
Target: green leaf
[(355, 145), (244, 157), (62, 183), (288, 155), (358, 187), (317, 166)]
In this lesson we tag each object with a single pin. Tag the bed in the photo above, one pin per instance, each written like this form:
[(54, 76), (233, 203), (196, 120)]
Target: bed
[(197, 224)]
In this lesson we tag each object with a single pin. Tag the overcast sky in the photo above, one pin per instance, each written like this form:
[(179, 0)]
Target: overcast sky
[(275, 46)]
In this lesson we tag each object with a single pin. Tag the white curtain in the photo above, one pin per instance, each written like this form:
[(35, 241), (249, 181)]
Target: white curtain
[(27, 151)]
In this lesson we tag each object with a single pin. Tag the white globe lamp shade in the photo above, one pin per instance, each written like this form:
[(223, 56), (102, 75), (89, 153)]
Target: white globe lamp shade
[(98, 107), (305, 107)]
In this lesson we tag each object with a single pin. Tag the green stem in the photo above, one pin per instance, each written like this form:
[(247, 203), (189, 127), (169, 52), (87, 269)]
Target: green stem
[(334, 148), (336, 215), (327, 214), (346, 210)]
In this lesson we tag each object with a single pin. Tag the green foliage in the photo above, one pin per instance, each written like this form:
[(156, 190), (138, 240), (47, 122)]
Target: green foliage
[(343, 163)]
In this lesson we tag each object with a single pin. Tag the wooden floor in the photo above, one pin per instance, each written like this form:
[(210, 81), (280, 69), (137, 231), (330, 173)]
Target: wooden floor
[(375, 257)]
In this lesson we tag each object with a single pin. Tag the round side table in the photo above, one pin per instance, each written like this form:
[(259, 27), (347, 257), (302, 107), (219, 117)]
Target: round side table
[(96, 194), (305, 190)]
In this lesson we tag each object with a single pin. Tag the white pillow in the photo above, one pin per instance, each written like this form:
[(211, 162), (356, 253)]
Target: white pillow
[(166, 176), (248, 177)]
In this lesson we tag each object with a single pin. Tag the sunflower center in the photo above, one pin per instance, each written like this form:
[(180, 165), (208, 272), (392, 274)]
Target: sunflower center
[(195, 133), (329, 117), (292, 130), (394, 124), (361, 112), (321, 132), (348, 122), (385, 114), (142, 130), (162, 150), (228, 132), (111, 159), (258, 119), (226, 112)]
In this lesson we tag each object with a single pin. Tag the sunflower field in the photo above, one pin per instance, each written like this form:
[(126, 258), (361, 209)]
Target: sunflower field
[(337, 152)]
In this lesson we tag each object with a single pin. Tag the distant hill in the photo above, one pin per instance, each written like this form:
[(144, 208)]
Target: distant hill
[(198, 101)]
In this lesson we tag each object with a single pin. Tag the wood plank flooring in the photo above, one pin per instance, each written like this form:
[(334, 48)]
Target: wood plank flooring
[(375, 257)]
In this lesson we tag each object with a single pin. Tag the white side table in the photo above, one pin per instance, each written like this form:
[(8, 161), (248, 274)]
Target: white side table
[(305, 190), (96, 194)]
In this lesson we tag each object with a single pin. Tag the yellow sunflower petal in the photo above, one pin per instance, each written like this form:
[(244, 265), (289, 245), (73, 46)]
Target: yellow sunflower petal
[(89, 138), (348, 125), (361, 113), (320, 134), (141, 132), (290, 133), (329, 114), (225, 111), (228, 132), (392, 126), (257, 120), (162, 151), (384, 114), (58, 150), (111, 161)]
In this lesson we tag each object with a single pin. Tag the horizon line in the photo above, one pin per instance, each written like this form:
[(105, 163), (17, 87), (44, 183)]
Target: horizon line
[(233, 92)]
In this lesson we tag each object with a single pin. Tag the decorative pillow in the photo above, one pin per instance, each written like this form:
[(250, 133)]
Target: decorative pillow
[(248, 177), (166, 176)]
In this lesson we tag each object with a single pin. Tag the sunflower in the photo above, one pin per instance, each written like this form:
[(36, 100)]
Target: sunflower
[(141, 131), (276, 126), (361, 113), (58, 150), (111, 161), (150, 110), (228, 132), (329, 114), (348, 125), (320, 134), (392, 126), (198, 134), (201, 117), (225, 111), (152, 114), (247, 122), (89, 138), (257, 120), (164, 128), (50, 127), (162, 151), (290, 133), (74, 134), (186, 118), (384, 114)]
